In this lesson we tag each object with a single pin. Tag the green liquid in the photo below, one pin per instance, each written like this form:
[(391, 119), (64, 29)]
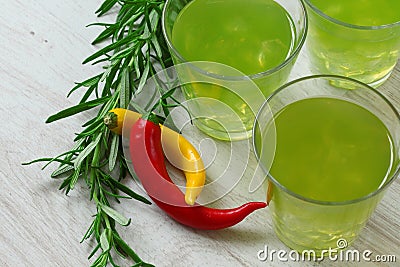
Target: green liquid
[(251, 36), (367, 54), (361, 12), (330, 150)]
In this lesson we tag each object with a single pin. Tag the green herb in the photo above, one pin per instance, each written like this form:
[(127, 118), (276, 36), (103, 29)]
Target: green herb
[(135, 50)]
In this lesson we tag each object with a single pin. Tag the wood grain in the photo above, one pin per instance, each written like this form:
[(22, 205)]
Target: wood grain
[(43, 44)]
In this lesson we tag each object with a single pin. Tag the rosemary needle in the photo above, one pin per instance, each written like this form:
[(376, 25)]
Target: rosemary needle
[(134, 51)]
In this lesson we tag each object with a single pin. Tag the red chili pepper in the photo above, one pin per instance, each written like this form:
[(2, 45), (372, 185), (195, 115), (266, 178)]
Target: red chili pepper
[(149, 165)]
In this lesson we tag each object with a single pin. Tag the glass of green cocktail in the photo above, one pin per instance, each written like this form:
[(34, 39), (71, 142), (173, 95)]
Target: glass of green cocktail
[(357, 39), (329, 155), (259, 38)]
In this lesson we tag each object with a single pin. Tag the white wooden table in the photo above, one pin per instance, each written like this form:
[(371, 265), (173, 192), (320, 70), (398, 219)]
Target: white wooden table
[(42, 45)]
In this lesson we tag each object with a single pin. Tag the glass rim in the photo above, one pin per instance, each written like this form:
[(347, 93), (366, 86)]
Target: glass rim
[(350, 25), (289, 59), (396, 167)]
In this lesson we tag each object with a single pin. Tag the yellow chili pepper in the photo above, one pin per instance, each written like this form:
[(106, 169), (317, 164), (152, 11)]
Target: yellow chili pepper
[(178, 150)]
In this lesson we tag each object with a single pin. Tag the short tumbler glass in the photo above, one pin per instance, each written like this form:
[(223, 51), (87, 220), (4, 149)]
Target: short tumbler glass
[(213, 88), (305, 224), (356, 50)]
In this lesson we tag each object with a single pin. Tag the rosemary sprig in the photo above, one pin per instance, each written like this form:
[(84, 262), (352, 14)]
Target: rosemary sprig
[(135, 50)]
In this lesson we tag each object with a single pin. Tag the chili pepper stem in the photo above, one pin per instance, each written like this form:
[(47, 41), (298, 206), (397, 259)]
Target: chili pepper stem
[(111, 120), (151, 117)]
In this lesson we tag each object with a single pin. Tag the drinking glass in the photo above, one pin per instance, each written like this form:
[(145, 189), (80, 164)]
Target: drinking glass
[(355, 39), (224, 104), (308, 224)]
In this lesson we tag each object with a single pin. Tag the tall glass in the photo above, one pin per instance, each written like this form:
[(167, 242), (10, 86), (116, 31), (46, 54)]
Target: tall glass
[(309, 224), (354, 39), (225, 85)]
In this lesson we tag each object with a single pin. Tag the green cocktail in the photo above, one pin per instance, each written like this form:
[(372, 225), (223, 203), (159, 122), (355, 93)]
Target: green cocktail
[(336, 150), (259, 38), (334, 153), (235, 32), (357, 39)]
